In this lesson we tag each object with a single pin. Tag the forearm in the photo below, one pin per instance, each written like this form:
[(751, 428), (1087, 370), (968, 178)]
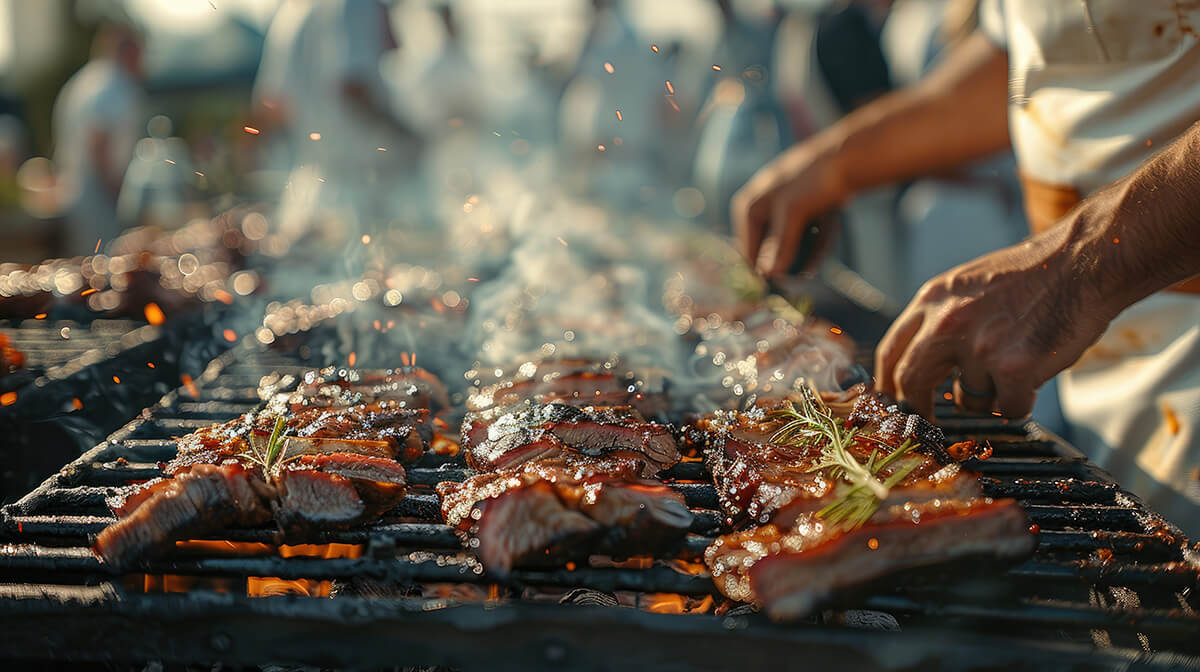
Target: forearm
[(1142, 233), (956, 114)]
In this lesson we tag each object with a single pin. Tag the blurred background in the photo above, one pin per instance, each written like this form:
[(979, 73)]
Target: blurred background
[(457, 135)]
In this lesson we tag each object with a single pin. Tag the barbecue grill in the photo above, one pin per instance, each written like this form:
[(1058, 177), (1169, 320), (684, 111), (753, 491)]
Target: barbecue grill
[(1112, 585), (83, 380)]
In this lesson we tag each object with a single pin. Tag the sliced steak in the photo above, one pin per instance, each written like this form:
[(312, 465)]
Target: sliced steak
[(565, 508), (200, 500), (496, 440), (791, 571), (362, 428)]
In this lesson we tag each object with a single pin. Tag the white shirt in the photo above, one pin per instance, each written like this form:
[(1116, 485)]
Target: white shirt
[(1096, 86), (101, 97)]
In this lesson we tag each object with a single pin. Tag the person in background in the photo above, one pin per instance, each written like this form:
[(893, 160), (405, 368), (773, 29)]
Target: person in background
[(1100, 102), (319, 86), (97, 121)]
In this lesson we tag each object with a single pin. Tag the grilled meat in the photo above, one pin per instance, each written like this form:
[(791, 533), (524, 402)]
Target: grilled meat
[(339, 470), (761, 480), (408, 387), (336, 491), (575, 383), (570, 507), (501, 438), (796, 561), (196, 501), (792, 570)]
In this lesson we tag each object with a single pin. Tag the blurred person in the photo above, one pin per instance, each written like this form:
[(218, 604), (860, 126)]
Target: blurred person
[(1102, 113), (319, 86), (157, 186), (97, 121)]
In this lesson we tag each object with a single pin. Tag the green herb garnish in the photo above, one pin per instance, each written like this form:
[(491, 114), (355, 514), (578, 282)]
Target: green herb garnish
[(274, 447), (809, 422)]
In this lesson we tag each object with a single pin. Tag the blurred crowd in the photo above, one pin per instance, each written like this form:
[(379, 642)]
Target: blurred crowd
[(355, 117)]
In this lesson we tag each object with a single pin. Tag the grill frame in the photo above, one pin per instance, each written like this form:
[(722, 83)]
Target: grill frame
[(950, 626)]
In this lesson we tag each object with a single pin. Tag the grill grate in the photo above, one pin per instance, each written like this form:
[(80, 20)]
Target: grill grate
[(1111, 583)]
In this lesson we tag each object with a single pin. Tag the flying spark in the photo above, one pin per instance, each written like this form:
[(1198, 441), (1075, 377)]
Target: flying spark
[(151, 365), (39, 316), (314, 136), (229, 335), (671, 101), (77, 403), (190, 385), (381, 149), (654, 48), (8, 398), (835, 330), (619, 117), (601, 147), (716, 67), (198, 173), (154, 314), (670, 88), (352, 359), (251, 130), (86, 292), (117, 379), (170, 162), (97, 245), (366, 239), (608, 67), (561, 241)]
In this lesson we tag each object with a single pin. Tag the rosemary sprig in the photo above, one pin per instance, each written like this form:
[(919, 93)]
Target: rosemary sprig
[(810, 423), (274, 447)]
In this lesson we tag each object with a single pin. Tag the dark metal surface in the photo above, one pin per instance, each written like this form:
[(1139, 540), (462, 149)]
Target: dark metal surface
[(1112, 586)]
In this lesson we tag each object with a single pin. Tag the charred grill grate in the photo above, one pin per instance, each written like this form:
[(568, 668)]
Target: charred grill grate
[(1110, 584)]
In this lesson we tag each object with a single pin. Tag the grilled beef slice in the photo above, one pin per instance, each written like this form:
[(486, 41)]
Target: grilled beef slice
[(565, 507)]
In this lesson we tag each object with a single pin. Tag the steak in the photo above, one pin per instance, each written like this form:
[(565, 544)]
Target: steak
[(566, 508), (409, 387), (199, 500), (384, 429), (336, 491), (574, 383), (791, 571), (501, 438)]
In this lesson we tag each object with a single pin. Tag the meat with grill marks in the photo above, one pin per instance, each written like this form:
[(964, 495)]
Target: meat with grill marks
[(573, 383), (567, 507), (501, 438), (792, 570), (409, 387), (796, 560), (323, 480), (760, 480)]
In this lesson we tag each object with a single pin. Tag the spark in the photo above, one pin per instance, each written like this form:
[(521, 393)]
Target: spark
[(117, 379), (229, 335), (472, 279), (251, 130), (39, 316), (716, 68), (378, 326), (1116, 241), (352, 359), (608, 67), (654, 48), (366, 239), (496, 133), (151, 365), (381, 149), (601, 148), (314, 136), (197, 173), (223, 296), (947, 396), (997, 413), (97, 245), (77, 403), (873, 543), (672, 102), (835, 330), (619, 117), (404, 358), (670, 87), (190, 385), (8, 398), (1149, 142), (154, 314), (561, 241), (170, 162)]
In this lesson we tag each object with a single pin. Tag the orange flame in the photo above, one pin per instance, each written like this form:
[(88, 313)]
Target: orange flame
[(154, 314), (671, 603), (352, 359), (8, 398), (190, 385), (229, 335)]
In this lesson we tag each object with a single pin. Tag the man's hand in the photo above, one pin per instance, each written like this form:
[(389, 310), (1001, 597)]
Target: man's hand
[(771, 211), (1010, 320), (1006, 322)]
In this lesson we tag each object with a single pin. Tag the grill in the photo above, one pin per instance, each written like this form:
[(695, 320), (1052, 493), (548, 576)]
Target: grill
[(1111, 585), (82, 380)]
